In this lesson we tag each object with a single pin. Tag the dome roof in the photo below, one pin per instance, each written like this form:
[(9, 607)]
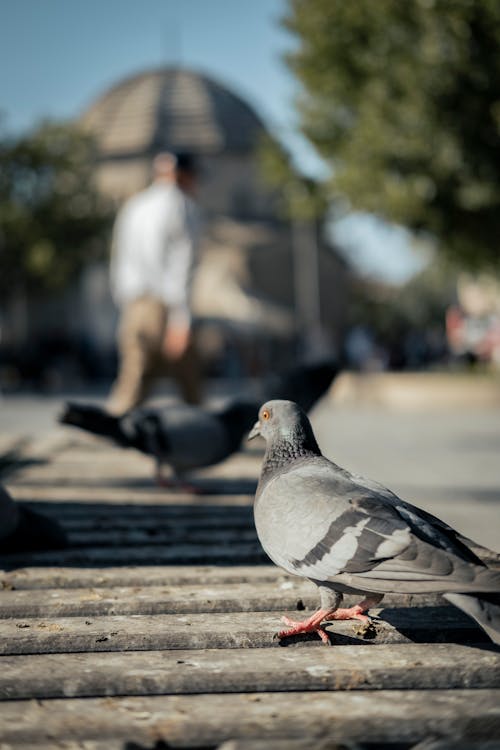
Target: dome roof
[(171, 109)]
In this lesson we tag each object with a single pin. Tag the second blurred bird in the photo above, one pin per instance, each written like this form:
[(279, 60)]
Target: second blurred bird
[(188, 437)]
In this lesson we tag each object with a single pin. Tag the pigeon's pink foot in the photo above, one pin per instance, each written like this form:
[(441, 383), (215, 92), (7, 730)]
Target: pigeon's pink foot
[(351, 613), (171, 483), (312, 625)]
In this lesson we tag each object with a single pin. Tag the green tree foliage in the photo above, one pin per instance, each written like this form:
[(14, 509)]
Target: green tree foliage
[(403, 99), (52, 221), (299, 198)]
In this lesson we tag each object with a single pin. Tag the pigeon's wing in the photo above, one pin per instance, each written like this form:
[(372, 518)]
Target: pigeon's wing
[(314, 523), (423, 524), (189, 437)]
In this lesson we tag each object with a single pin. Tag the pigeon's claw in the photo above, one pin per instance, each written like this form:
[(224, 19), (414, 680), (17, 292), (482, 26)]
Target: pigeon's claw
[(351, 613), (178, 485), (175, 484), (358, 611), (312, 625)]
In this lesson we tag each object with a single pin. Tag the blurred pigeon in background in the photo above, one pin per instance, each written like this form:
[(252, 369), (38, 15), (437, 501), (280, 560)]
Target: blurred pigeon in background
[(191, 437), (25, 530), (305, 384), (351, 535), (182, 436)]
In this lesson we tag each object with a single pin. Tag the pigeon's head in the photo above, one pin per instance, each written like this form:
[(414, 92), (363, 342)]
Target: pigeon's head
[(283, 421)]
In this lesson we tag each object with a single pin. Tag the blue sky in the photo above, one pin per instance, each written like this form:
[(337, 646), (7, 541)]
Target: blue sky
[(56, 56)]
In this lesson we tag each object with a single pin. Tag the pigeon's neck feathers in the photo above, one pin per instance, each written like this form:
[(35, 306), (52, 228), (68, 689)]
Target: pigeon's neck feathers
[(290, 444)]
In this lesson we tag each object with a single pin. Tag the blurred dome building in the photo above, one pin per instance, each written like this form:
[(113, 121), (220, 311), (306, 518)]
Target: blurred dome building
[(173, 109), (265, 292), (247, 286)]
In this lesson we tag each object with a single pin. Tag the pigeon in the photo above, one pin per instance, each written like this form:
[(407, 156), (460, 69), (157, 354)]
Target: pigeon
[(352, 535), (26, 530), (305, 384), (192, 437), (184, 437)]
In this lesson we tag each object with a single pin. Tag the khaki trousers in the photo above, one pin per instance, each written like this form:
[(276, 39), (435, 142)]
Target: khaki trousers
[(140, 338)]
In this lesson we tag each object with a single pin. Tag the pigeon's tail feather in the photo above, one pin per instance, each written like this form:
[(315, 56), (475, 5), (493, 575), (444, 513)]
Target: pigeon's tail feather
[(304, 384), (95, 420), (484, 608)]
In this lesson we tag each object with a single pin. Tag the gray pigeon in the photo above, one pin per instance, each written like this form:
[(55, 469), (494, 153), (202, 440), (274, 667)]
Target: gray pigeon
[(351, 535), (182, 436), (192, 437)]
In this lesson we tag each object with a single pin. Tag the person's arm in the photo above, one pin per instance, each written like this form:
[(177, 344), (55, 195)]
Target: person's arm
[(115, 260), (123, 271)]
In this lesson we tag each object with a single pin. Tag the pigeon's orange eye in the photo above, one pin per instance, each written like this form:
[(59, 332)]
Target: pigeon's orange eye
[(265, 415)]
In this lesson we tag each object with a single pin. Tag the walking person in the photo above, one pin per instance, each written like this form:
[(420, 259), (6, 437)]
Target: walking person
[(153, 257)]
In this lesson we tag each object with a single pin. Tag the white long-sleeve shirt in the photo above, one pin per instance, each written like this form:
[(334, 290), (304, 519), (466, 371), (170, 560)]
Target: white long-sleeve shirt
[(154, 249)]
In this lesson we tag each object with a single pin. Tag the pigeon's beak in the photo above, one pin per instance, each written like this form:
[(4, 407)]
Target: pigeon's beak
[(255, 431)]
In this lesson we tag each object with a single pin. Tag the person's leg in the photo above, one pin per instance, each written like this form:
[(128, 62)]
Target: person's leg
[(186, 371), (140, 335)]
